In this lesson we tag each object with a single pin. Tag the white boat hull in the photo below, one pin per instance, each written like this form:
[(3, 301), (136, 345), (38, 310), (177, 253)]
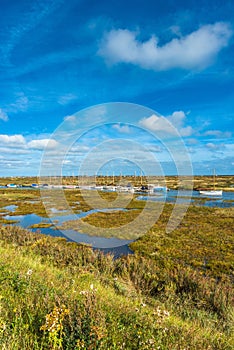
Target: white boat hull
[(211, 193)]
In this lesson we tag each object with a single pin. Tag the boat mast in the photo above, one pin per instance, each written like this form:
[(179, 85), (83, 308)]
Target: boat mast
[(214, 180)]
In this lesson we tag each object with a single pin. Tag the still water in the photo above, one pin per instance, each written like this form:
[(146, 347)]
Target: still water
[(108, 245), (224, 201)]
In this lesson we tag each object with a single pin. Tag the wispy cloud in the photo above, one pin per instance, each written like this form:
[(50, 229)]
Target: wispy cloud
[(3, 116), (194, 51), (36, 12), (66, 99), (13, 150), (21, 103), (218, 133), (215, 147)]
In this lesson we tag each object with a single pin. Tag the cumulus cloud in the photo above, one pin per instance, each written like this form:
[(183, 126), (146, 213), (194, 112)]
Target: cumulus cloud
[(155, 123), (12, 140), (43, 143), (193, 51), (3, 116), (171, 124)]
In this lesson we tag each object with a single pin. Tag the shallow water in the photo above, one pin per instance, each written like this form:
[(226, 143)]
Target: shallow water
[(10, 208), (224, 201), (28, 220), (111, 245)]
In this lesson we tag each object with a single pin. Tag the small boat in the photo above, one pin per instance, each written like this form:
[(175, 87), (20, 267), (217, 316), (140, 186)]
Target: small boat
[(69, 186), (213, 192), (98, 187), (11, 185), (34, 185)]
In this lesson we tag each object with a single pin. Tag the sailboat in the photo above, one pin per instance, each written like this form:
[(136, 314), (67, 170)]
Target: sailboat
[(213, 192)]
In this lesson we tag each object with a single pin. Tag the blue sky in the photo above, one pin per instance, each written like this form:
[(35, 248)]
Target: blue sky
[(173, 57)]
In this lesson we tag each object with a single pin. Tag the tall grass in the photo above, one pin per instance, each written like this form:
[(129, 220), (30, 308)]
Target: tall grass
[(59, 295)]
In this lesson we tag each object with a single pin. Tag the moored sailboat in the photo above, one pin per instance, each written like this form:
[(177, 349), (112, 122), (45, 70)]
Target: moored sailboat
[(213, 192)]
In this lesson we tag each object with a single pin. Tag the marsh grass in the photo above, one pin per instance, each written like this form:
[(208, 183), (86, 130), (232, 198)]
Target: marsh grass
[(27, 201), (108, 225), (59, 295), (175, 292), (42, 225)]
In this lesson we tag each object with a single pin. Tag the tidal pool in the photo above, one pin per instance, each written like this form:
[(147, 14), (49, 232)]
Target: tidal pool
[(26, 221)]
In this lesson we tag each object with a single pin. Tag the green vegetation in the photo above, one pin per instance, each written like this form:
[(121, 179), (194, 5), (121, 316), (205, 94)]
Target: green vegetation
[(42, 225), (58, 295), (28, 201), (175, 292)]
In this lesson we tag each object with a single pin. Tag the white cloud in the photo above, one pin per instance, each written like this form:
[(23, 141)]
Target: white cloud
[(194, 51), (12, 140), (21, 103), (79, 149), (154, 148), (43, 143), (171, 124), (18, 141), (66, 161), (66, 99), (155, 123), (192, 141), (121, 128), (3, 115), (13, 151), (187, 131), (218, 133), (177, 118), (215, 147)]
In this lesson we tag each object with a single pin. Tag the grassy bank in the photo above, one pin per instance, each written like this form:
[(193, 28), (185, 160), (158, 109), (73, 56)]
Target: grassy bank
[(58, 295)]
